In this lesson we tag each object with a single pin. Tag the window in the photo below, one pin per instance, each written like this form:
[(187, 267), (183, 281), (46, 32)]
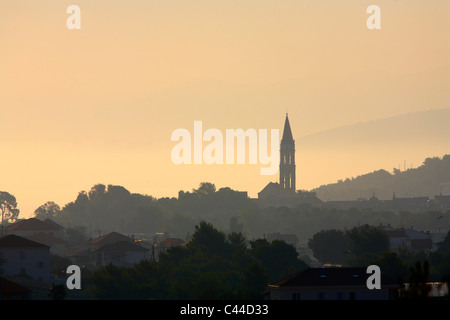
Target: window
[(296, 296), (321, 295), (22, 255), (352, 295), (40, 264), (340, 296)]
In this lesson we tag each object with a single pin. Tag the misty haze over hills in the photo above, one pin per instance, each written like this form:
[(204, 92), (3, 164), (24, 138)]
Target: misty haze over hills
[(401, 142), (412, 129), (424, 181), (395, 143)]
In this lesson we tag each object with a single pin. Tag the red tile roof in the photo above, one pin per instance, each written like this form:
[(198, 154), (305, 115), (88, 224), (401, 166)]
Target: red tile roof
[(171, 242), (53, 223), (120, 247), (7, 286), (109, 238), (45, 238), (33, 224), (13, 241)]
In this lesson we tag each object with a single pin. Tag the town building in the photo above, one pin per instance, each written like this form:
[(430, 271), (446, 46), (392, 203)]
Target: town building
[(114, 248), (10, 290), (445, 188), (45, 231), (290, 239), (24, 257), (121, 253), (408, 238), (330, 284)]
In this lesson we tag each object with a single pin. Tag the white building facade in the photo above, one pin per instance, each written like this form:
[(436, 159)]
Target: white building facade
[(21, 256)]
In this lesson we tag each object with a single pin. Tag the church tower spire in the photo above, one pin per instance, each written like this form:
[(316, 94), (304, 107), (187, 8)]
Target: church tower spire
[(287, 158)]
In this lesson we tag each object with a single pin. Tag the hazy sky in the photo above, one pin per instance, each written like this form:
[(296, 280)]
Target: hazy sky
[(99, 104)]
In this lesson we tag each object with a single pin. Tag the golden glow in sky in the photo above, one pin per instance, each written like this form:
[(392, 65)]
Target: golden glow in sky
[(99, 104)]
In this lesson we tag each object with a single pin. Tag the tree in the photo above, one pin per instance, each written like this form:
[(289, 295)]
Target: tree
[(58, 264), (208, 238), (330, 246), (200, 270), (58, 292), (235, 226), (237, 240), (97, 190), (144, 219), (112, 283), (76, 235), (367, 239), (8, 207), (418, 287), (205, 189), (393, 266), (439, 265), (279, 258), (48, 210), (423, 180), (444, 246), (254, 281), (109, 208)]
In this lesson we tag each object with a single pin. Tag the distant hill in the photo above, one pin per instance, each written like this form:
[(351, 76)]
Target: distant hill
[(398, 142), (422, 181), (429, 127)]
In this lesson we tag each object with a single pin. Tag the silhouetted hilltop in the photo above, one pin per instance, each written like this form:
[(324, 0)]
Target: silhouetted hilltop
[(106, 208), (400, 142), (425, 180)]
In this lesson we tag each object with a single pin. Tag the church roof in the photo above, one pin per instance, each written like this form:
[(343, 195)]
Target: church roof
[(270, 188), (287, 133)]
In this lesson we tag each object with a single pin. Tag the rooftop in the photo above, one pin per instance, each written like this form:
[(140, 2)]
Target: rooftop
[(45, 238), (287, 133), (108, 238), (120, 247), (13, 241), (33, 224), (171, 242), (330, 277), (7, 286)]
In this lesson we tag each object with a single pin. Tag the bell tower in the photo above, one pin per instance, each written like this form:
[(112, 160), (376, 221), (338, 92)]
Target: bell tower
[(287, 158)]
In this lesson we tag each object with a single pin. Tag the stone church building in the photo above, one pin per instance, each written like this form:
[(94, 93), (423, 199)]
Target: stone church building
[(284, 193)]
